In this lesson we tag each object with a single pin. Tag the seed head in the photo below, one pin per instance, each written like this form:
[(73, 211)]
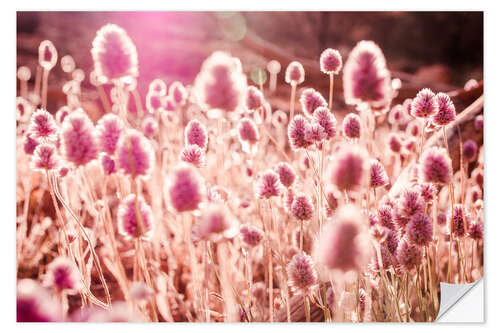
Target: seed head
[(47, 55), (349, 168), (109, 128), (267, 185), (408, 255), (310, 100), (186, 189), (366, 78), (135, 156), (446, 110), (326, 120), (215, 222), (435, 166), (29, 143), (378, 175), (149, 127), (476, 231), (294, 74), (301, 273), (414, 128), (386, 217), (419, 229), (43, 126), (63, 274), (251, 235), (297, 133), (196, 134), (158, 87), (178, 93), (351, 126), (479, 122), (344, 244), (79, 143), (128, 214), (221, 84), (34, 303), (469, 150), (114, 55), (302, 207), (315, 132), (410, 202), (424, 104), (45, 157), (330, 61), (254, 99), (194, 155), (427, 192), (286, 173), (108, 164), (460, 220), (394, 143), (247, 131)]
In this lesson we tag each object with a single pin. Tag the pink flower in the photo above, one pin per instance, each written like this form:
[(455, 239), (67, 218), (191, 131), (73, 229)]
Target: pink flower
[(63, 274), (186, 190), (44, 158), (158, 87), (410, 202), (315, 132), (254, 98), (109, 128), (149, 127), (62, 113), (435, 166), (302, 207), (156, 102), (107, 164), (352, 126), (408, 255), (427, 192), (310, 100), (366, 78), (294, 74), (378, 175), (350, 168), (221, 84), (194, 155), (251, 235), (419, 229), (267, 185), (178, 93), (344, 244), (297, 133), (215, 223), (476, 231), (325, 119), (479, 122), (446, 110), (135, 156), (469, 150), (128, 213), (29, 143), (414, 128), (286, 173), (460, 220), (301, 273), (330, 61), (394, 143), (247, 131), (386, 219), (34, 303), (114, 54), (424, 104), (79, 143), (47, 55), (43, 126), (196, 134)]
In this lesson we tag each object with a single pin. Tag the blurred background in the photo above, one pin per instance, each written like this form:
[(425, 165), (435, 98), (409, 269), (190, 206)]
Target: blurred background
[(439, 49)]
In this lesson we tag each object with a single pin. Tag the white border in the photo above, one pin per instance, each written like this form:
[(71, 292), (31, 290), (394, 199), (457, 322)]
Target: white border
[(7, 199)]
